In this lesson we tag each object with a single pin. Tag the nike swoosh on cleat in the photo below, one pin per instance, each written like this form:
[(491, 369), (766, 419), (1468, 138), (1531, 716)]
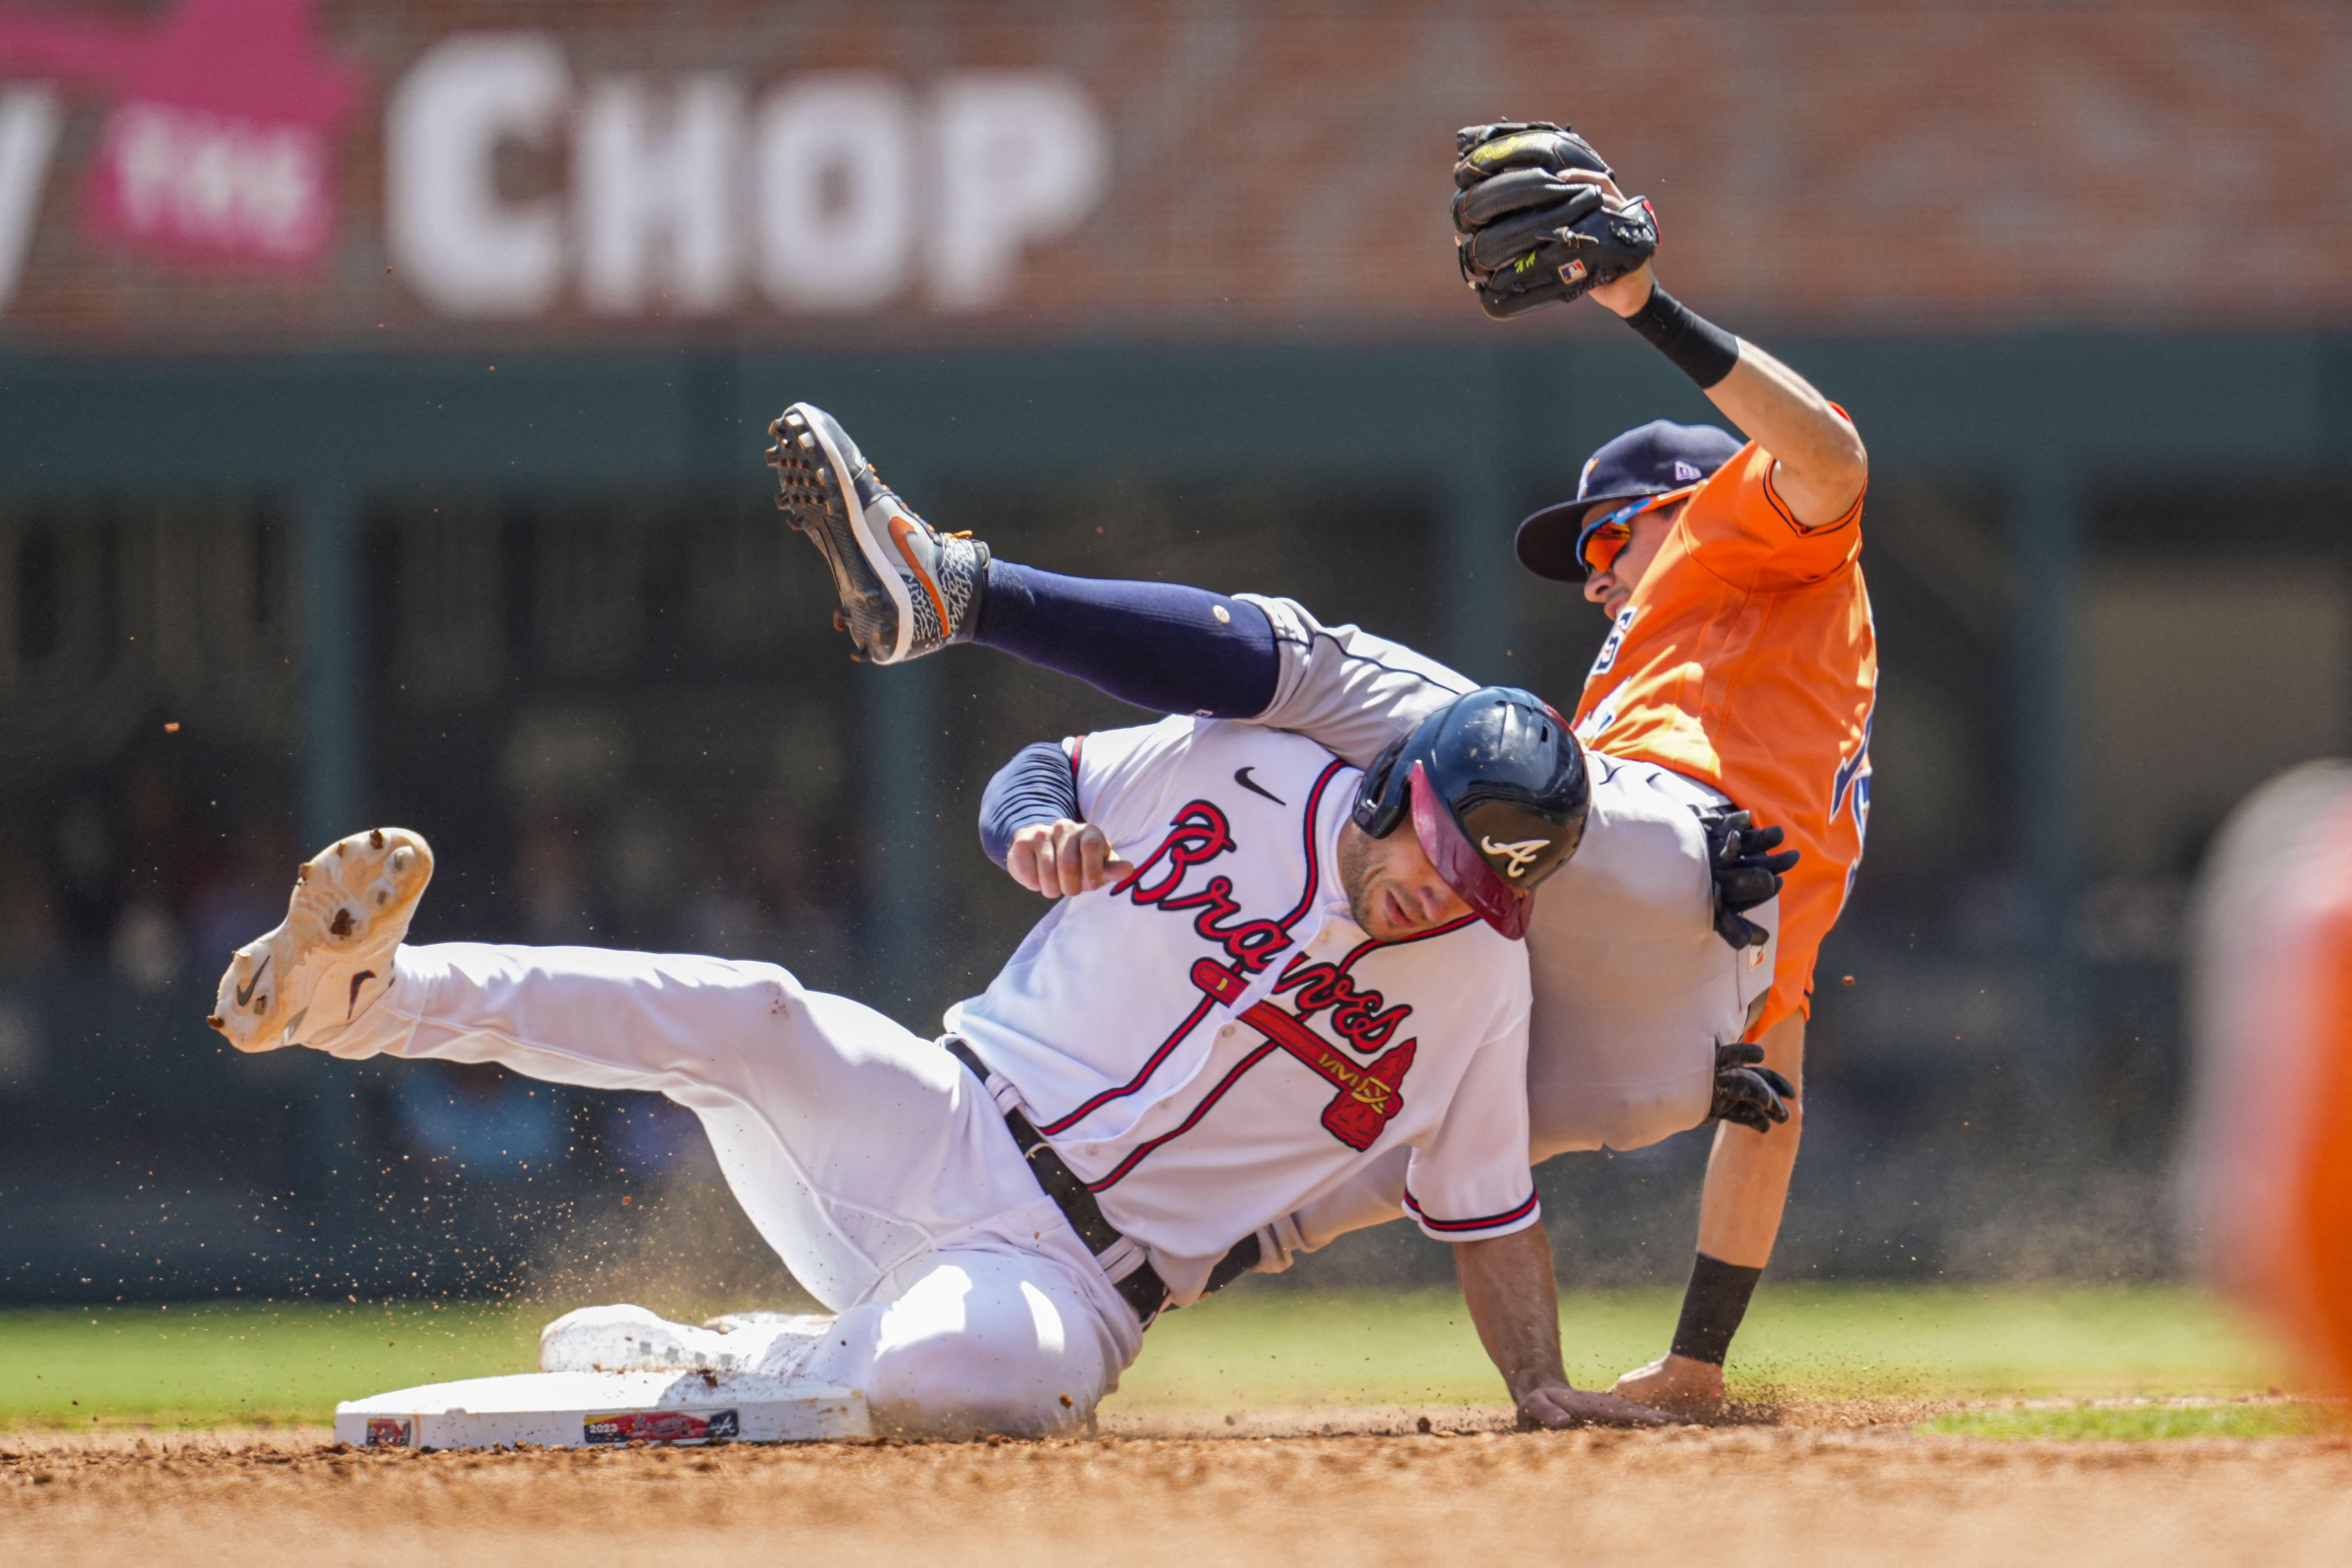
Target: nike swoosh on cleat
[(353, 1005), (245, 992), (1242, 777), (901, 531)]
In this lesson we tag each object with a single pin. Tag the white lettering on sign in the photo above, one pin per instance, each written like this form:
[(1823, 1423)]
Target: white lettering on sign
[(834, 181), (654, 196), (1022, 157), (840, 191), (463, 249), (28, 134), (217, 182)]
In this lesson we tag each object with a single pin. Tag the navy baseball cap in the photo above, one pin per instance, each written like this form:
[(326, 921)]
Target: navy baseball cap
[(1654, 459)]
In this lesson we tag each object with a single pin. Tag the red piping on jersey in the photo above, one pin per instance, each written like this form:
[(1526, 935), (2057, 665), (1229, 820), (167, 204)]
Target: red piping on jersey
[(1193, 1020), (1293, 1034), (1135, 1157), (1151, 1065), (1489, 1221), (1314, 861), (1364, 947)]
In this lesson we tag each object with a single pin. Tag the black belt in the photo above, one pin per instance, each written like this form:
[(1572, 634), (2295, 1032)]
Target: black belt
[(1143, 1288)]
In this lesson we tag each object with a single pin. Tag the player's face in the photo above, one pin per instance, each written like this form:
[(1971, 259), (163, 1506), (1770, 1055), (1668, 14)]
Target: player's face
[(1392, 890), (1615, 584)]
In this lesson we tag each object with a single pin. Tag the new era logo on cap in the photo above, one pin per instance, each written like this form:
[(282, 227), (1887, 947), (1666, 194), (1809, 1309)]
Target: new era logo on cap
[(1686, 473)]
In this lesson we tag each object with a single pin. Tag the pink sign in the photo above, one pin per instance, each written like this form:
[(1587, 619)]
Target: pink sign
[(217, 146)]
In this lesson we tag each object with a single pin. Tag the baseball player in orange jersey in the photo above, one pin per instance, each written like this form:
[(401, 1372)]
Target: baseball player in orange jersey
[(1740, 653), (1740, 658)]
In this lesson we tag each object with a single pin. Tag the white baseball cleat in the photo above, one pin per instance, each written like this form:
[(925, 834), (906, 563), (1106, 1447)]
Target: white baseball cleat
[(628, 1338), (300, 983)]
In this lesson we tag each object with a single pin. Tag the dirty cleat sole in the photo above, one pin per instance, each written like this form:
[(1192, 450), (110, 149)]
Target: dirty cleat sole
[(817, 468), (331, 957)]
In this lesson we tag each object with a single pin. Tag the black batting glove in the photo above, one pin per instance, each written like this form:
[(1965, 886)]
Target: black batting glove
[(1752, 1095), (1747, 873)]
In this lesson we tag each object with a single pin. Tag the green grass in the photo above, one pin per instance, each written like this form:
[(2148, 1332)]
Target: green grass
[(1814, 1342), (2140, 1422), (245, 1363)]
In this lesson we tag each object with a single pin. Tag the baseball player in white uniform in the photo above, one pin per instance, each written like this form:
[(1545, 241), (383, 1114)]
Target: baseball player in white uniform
[(1650, 949), (1282, 991)]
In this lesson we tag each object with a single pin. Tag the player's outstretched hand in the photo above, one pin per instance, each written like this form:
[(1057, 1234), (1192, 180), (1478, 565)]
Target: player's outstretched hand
[(1555, 1406), (1624, 296), (1675, 1383), (1058, 859)]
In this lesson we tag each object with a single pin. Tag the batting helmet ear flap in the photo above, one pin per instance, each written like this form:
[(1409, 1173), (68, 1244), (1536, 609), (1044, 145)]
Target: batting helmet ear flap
[(1379, 809)]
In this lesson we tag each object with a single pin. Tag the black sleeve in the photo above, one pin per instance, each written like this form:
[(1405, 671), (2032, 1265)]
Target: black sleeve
[(1039, 785)]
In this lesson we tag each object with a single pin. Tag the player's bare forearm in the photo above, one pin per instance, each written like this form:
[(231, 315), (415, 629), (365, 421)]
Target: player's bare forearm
[(1747, 1173), (1823, 462), (1739, 1220), (1507, 1284)]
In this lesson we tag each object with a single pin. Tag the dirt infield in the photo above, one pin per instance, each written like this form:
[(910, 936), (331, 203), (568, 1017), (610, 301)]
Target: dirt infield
[(1788, 1494)]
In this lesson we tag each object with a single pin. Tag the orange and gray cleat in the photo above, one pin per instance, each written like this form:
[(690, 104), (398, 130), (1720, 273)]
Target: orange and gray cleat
[(329, 961), (906, 589)]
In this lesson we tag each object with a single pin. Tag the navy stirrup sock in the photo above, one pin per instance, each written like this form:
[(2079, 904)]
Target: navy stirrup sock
[(1160, 646)]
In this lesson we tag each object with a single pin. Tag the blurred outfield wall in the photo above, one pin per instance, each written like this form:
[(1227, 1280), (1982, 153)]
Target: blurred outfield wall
[(380, 399)]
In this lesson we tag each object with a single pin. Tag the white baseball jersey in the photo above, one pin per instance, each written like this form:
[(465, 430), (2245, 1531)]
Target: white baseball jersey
[(1213, 1041), (1632, 988)]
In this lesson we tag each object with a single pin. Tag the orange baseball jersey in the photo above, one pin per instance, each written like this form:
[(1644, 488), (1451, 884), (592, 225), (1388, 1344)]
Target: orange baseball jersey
[(1745, 659)]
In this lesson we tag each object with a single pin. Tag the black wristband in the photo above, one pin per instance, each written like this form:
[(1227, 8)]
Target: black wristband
[(1699, 349), (1713, 1304)]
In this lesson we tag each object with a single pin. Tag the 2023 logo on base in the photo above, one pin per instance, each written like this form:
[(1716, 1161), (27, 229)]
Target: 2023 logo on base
[(661, 1427)]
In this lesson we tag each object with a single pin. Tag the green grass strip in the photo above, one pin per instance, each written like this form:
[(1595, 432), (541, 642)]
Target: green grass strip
[(242, 1363), (1257, 1347), (2139, 1423), (250, 1362)]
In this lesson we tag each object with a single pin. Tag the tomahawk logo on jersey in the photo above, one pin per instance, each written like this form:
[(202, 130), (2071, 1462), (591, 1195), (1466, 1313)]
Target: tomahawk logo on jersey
[(1213, 1041)]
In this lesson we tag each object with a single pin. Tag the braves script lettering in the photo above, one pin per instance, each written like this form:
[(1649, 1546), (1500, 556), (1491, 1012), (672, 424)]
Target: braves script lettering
[(1200, 833), (1358, 1015), (1370, 1095), (1196, 833)]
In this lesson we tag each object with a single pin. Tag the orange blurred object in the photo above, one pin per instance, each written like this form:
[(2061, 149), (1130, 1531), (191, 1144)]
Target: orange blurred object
[(2270, 1173)]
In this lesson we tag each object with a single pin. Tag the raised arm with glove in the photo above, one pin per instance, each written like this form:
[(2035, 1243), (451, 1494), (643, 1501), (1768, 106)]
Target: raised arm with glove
[(1527, 233)]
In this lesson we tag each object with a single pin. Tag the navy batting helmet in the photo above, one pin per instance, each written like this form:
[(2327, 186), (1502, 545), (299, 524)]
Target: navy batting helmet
[(1495, 785)]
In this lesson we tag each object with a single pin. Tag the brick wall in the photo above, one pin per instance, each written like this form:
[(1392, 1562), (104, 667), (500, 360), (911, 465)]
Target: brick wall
[(1852, 165)]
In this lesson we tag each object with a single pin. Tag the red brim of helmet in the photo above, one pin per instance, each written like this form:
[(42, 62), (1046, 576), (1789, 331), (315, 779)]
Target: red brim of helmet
[(1465, 870)]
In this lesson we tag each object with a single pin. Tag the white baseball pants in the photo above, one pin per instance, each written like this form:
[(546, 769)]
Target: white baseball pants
[(868, 1158)]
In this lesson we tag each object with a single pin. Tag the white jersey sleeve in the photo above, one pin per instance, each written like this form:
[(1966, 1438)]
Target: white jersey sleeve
[(1470, 1179), (1126, 776)]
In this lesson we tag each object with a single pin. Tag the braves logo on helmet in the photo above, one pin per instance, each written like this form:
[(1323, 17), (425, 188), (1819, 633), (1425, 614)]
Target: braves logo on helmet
[(1517, 857), (1495, 787)]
